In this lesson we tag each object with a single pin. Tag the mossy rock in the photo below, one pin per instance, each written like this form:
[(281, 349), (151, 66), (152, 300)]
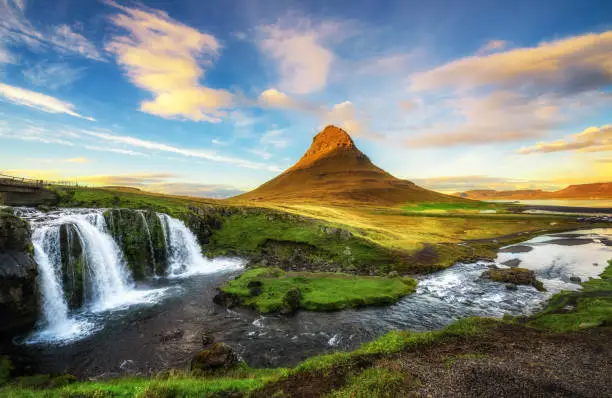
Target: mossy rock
[(516, 276), (218, 356)]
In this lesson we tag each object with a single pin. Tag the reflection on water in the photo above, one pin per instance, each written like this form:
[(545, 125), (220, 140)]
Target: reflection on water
[(605, 203), (136, 335)]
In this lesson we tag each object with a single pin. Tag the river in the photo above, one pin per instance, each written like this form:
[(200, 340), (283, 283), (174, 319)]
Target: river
[(158, 324)]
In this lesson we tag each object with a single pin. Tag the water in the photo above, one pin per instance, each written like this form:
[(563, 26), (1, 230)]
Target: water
[(598, 203), (106, 278), (184, 254), (134, 335)]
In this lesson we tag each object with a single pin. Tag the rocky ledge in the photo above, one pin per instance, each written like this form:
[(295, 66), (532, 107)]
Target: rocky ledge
[(514, 276)]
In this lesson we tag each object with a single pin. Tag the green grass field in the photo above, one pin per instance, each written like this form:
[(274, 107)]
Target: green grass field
[(315, 291)]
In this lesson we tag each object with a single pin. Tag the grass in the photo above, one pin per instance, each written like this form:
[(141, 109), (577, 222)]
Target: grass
[(372, 382), (271, 290), (591, 307), (452, 207)]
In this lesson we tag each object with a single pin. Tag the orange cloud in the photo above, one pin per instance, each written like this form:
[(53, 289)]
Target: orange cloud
[(570, 65), (162, 56), (592, 139)]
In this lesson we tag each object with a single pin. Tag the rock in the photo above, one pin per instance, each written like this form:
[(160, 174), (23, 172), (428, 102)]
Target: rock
[(225, 299), (575, 279), (219, 356), (207, 338), (512, 263), (393, 274), (18, 274), (511, 286), (171, 335), (254, 287), (517, 276), (291, 301)]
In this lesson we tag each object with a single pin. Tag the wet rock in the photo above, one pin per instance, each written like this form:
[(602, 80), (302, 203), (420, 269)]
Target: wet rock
[(219, 356), (171, 335), (517, 276), (512, 263), (18, 273), (511, 286), (516, 249), (575, 279), (207, 338), (226, 299)]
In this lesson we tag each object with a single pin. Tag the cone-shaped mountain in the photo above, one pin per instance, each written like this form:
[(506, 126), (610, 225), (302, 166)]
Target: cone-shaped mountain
[(334, 170)]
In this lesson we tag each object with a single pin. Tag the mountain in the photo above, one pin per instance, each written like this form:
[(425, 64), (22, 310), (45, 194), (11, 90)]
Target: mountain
[(333, 169), (601, 190)]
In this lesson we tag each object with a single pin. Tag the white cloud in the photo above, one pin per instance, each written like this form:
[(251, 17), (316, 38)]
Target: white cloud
[(17, 30), (344, 115), (299, 49), (38, 101), (275, 138), (492, 46), (195, 153), (167, 58), (52, 75)]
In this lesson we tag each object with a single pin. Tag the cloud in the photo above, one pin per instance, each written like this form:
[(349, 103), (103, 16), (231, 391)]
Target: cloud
[(52, 75), (344, 116), (452, 184), (194, 153), (275, 138), (167, 58), (567, 66), (129, 179), (17, 30), (38, 101), (592, 139), (275, 99), (298, 46), (214, 191), (492, 46), (114, 150), (408, 105)]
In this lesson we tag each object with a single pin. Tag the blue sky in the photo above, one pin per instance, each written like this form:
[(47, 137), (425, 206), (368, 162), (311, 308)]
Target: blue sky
[(210, 98)]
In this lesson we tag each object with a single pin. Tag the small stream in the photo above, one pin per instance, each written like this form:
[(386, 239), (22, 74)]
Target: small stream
[(164, 329)]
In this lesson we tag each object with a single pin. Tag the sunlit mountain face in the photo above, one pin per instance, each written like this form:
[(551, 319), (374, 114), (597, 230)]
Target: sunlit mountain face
[(215, 98)]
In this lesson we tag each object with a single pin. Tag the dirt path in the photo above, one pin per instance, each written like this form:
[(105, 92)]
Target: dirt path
[(510, 361)]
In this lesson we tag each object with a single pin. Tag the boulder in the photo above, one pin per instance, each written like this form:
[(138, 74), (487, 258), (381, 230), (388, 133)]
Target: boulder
[(18, 273), (517, 276), (218, 356)]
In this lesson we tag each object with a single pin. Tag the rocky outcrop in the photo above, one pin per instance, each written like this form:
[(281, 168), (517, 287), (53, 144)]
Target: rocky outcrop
[(204, 221), (140, 236), (18, 273), (515, 276), (218, 356), (73, 266)]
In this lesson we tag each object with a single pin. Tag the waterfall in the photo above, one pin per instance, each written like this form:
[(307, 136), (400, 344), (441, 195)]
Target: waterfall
[(48, 257), (184, 253), (148, 231)]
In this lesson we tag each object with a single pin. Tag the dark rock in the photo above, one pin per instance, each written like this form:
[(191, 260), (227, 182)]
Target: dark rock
[(511, 286), (226, 299), (516, 249), (18, 274), (255, 287), (517, 276), (219, 356), (512, 263), (291, 301), (207, 338), (575, 279), (171, 335)]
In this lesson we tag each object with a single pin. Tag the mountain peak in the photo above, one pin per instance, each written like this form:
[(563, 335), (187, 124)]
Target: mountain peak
[(330, 140)]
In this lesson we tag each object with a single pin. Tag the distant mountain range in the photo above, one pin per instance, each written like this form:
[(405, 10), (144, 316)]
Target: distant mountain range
[(602, 190), (334, 170)]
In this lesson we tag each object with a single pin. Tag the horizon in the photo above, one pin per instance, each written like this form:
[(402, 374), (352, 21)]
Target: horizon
[(196, 99)]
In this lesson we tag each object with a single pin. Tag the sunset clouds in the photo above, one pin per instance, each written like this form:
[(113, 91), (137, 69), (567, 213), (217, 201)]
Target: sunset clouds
[(167, 58), (592, 139)]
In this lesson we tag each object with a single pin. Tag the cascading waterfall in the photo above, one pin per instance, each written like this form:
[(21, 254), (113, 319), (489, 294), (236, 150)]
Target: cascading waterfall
[(104, 277), (184, 254)]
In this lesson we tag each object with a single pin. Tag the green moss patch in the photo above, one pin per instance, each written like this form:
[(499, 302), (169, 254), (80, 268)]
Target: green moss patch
[(591, 307), (273, 290)]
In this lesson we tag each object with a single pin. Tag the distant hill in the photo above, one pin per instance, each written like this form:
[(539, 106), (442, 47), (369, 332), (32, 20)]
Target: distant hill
[(334, 170), (602, 190)]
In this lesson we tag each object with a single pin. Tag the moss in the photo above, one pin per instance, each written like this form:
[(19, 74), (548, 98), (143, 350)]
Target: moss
[(279, 291), (383, 383), (73, 266), (517, 276), (591, 307), (6, 367)]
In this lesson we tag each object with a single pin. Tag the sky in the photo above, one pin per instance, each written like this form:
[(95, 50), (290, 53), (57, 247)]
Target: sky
[(211, 98)]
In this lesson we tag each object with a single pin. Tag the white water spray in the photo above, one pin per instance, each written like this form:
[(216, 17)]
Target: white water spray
[(184, 254)]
